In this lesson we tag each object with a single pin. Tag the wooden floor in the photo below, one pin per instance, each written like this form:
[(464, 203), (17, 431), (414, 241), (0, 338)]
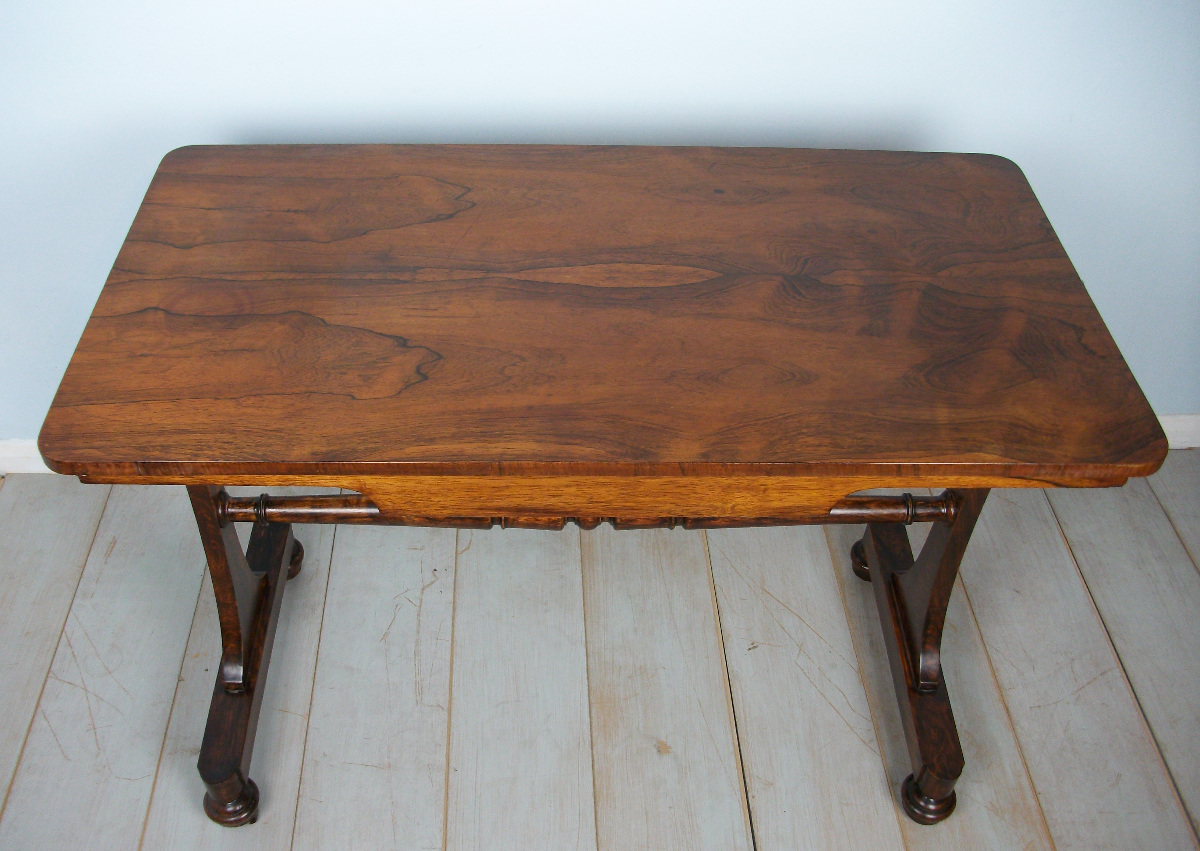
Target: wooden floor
[(613, 690)]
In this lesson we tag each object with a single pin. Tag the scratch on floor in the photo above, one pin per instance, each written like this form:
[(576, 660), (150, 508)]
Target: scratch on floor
[(100, 658), (50, 727), (57, 678), (804, 673), (763, 588), (86, 691), (418, 683), (811, 629), (1075, 691), (388, 628), (754, 645)]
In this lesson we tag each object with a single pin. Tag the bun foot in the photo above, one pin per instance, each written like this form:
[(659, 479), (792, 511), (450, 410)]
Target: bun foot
[(243, 809), (858, 561), (920, 807), (297, 558)]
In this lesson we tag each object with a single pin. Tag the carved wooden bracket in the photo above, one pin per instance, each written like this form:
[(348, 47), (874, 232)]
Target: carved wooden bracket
[(920, 590), (234, 584)]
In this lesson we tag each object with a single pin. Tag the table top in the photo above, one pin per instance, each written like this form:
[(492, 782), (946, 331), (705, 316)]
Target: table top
[(479, 310)]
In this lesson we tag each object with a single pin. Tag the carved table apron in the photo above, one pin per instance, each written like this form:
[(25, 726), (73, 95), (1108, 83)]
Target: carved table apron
[(534, 335)]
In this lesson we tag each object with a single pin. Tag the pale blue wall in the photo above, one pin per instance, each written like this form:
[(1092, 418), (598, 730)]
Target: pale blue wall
[(1099, 102)]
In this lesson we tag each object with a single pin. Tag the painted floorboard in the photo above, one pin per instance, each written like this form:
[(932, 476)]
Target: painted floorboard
[(809, 750), (176, 819), (520, 749), (1177, 485), (1092, 760), (997, 807), (97, 731), (664, 747), (375, 760), (1148, 593), (46, 528), (87, 770)]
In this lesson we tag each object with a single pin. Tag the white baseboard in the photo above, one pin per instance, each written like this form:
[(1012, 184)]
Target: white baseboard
[(21, 456), (1183, 430)]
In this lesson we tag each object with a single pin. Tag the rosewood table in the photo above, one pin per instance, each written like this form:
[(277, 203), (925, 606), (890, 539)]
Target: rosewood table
[(530, 336)]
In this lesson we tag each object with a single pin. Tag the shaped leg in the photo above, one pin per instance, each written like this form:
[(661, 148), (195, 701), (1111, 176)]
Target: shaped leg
[(249, 592), (912, 597)]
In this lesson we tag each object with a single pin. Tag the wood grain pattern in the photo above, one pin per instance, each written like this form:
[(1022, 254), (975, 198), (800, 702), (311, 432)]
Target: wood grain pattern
[(520, 754), (543, 501), (569, 311), (89, 762), (47, 524), (665, 752)]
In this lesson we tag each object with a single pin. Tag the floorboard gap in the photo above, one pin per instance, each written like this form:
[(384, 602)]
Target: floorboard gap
[(737, 736)]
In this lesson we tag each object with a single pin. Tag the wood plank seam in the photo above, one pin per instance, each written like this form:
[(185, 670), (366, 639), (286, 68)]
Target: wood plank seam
[(450, 692), (106, 692), (1195, 557), (987, 654), (995, 770), (313, 688), (1143, 581), (587, 673), (1124, 675), (61, 627), (733, 722), (880, 744), (167, 727)]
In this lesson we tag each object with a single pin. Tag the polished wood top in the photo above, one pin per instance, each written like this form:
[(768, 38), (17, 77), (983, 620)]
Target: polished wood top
[(575, 311)]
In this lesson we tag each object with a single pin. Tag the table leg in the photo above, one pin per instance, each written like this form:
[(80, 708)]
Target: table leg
[(249, 590), (912, 597)]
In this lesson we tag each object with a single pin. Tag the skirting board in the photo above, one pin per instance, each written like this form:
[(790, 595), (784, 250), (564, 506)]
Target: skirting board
[(1183, 430), (21, 456)]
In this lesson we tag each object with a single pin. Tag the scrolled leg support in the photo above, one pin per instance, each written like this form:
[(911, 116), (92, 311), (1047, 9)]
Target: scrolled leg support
[(912, 596), (249, 592)]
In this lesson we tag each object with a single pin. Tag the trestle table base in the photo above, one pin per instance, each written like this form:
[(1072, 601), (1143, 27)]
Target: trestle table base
[(911, 595)]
